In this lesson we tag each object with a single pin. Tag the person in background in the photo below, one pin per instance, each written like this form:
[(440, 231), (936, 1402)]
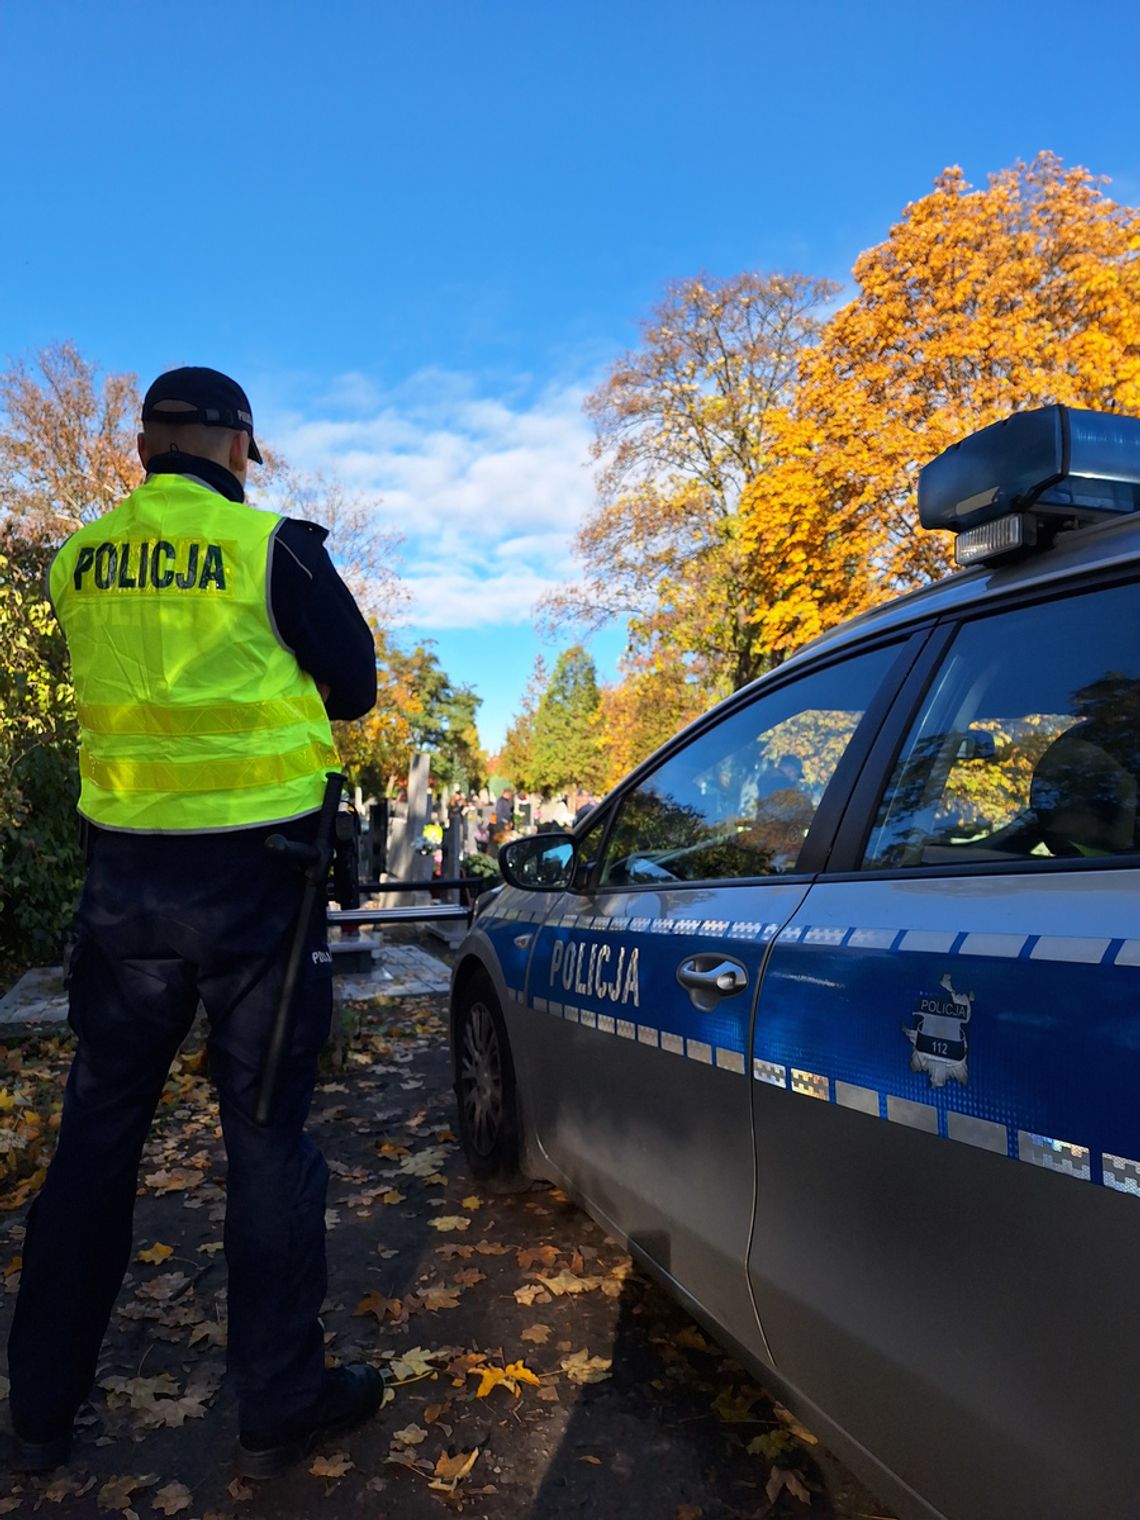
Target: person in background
[(503, 823)]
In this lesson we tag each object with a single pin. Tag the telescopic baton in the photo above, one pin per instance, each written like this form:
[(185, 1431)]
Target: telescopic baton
[(314, 860)]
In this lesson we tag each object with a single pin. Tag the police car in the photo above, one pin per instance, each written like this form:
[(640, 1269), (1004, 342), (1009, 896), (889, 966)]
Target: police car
[(831, 1010)]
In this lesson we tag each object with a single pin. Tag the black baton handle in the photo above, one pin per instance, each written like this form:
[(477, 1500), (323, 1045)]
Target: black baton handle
[(314, 859)]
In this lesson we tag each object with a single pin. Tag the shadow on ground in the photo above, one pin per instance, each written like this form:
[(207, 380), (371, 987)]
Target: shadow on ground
[(534, 1371)]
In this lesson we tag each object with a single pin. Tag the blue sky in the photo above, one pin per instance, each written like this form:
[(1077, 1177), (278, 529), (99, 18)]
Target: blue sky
[(419, 232)]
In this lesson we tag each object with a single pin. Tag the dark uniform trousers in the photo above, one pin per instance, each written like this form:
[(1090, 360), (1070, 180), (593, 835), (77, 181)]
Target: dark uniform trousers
[(163, 921)]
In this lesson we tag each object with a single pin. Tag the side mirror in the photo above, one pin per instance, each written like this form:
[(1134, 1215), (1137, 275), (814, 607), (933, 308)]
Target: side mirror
[(539, 863)]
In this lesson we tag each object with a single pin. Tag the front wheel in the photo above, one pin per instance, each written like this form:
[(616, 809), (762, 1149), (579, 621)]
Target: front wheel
[(485, 1085)]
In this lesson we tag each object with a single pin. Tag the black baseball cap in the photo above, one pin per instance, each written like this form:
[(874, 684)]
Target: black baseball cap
[(217, 401)]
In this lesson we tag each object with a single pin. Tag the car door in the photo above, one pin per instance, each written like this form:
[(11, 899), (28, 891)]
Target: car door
[(946, 1067), (642, 980)]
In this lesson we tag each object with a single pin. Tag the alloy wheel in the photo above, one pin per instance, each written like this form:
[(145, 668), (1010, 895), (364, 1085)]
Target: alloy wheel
[(481, 1078)]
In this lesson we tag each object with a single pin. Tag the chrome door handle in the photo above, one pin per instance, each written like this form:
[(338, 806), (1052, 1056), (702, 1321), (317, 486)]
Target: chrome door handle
[(710, 978)]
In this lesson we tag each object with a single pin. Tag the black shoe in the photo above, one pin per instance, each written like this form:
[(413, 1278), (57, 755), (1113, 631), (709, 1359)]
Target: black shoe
[(38, 1456), (348, 1396)]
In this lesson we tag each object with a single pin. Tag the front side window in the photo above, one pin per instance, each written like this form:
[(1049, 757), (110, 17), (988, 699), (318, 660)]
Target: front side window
[(738, 800), (1028, 743)]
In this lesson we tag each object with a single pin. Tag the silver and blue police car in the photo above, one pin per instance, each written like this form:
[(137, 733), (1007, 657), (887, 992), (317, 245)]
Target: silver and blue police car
[(831, 1010)]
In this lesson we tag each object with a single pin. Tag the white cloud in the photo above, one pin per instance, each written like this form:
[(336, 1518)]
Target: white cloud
[(487, 490), (459, 597)]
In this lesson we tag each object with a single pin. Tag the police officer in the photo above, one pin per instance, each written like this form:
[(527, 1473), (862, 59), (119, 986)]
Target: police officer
[(210, 644)]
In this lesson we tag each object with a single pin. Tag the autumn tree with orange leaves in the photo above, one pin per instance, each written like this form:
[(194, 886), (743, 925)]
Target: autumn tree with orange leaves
[(654, 698), (980, 303), (681, 425)]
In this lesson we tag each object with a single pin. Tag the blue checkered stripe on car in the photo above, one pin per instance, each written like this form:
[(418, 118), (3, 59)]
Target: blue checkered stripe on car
[(1063, 1157)]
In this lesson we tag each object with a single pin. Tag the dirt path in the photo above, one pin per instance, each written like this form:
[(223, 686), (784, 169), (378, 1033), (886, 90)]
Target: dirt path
[(536, 1373)]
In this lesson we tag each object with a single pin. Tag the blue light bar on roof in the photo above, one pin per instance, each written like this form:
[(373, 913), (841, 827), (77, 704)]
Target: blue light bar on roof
[(1054, 461)]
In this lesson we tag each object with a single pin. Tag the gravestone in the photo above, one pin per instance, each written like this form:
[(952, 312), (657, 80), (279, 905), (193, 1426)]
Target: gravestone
[(405, 863)]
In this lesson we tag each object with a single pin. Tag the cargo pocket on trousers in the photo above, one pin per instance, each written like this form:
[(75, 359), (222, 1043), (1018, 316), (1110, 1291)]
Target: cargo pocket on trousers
[(313, 1018), (76, 981)]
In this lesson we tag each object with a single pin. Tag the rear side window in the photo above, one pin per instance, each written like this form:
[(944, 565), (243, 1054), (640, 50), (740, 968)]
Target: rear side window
[(738, 800), (1028, 744)]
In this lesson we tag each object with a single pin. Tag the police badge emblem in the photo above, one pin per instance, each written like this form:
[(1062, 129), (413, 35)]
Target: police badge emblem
[(937, 1033)]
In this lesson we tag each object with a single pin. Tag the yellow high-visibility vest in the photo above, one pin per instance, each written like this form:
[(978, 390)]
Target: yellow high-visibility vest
[(193, 716)]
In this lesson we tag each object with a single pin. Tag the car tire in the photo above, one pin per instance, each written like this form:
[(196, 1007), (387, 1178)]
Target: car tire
[(485, 1086)]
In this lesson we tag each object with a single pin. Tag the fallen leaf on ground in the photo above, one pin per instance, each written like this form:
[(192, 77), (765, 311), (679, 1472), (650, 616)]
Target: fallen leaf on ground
[(450, 1471), (532, 1294), (415, 1363), (441, 1297), (771, 1445), (472, 1202), (508, 1377), (116, 1492), (688, 1512), (158, 1402), (20, 1194), (424, 1163), (331, 1467), (581, 1367), (411, 1435), (67, 1486), (374, 1302), (173, 1498), (569, 1282), (734, 1406), (779, 1479), (529, 1257), (539, 1334), (451, 1222), (176, 1180), (212, 1331), (801, 1433), (393, 1195), (469, 1276), (691, 1338), (165, 1286), (138, 1392), (593, 1461), (239, 1489), (155, 1253)]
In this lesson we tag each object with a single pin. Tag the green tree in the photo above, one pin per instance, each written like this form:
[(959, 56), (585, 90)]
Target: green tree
[(517, 757), (443, 724), (40, 864), (567, 751)]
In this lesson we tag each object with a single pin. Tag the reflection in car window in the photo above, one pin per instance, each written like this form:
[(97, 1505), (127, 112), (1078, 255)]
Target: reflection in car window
[(738, 800), (590, 845), (1028, 745)]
